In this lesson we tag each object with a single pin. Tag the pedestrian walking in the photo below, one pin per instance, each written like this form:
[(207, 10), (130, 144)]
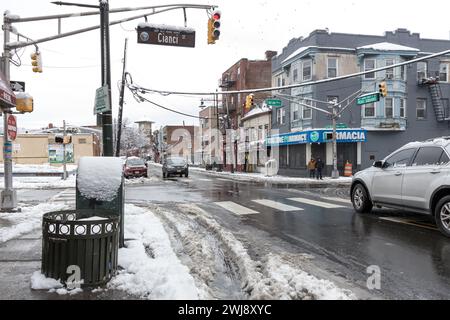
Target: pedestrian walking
[(312, 168), (319, 167)]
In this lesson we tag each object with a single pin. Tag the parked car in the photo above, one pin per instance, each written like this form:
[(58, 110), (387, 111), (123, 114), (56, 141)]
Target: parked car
[(175, 165), (134, 167), (416, 177)]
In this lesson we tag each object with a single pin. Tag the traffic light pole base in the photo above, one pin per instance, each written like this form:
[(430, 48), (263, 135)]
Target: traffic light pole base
[(9, 201)]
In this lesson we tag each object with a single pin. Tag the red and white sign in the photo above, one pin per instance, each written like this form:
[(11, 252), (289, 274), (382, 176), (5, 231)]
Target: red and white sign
[(12, 127)]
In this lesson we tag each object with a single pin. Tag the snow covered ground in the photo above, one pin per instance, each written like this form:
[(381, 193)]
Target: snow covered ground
[(155, 265), (259, 177), (39, 168), (41, 182)]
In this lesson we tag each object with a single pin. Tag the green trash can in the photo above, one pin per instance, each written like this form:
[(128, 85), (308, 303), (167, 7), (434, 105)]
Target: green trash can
[(100, 186), (87, 239)]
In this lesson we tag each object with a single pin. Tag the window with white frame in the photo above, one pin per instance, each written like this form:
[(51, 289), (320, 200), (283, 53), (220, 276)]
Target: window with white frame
[(332, 67), (281, 115), (389, 72), (421, 108), (306, 70), (369, 110), (403, 73), (295, 75), (402, 108), (369, 64), (421, 70), (307, 112), (388, 107), (295, 111), (443, 72)]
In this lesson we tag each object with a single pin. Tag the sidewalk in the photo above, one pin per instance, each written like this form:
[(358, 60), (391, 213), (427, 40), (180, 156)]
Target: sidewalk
[(260, 177)]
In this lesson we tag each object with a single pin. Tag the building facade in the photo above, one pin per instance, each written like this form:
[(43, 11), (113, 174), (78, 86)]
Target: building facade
[(416, 107), (244, 74), (179, 141)]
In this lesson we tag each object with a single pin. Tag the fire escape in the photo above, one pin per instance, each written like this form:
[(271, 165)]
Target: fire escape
[(436, 97)]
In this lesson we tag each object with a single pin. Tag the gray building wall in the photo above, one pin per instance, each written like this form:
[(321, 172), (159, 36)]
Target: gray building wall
[(379, 143)]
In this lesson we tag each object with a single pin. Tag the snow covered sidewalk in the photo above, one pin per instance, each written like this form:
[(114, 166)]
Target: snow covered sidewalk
[(259, 177)]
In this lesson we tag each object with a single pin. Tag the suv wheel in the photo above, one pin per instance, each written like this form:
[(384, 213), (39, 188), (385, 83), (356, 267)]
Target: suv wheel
[(360, 199), (442, 215), (164, 175)]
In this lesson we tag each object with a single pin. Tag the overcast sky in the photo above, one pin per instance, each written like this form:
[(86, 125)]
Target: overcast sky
[(66, 88)]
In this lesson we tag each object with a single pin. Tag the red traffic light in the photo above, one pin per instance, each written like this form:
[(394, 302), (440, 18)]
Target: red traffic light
[(216, 15)]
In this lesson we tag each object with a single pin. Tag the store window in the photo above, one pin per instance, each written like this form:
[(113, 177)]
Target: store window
[(421, 109)]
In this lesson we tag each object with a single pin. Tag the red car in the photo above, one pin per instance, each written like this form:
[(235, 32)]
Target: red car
[(134, 167)]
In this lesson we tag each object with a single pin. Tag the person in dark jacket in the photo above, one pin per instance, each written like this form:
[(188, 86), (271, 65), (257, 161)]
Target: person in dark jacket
[(319, 168)]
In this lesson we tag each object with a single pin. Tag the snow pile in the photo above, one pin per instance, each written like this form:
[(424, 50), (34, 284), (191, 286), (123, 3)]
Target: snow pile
[(152, 270), (99, 177), (288, 283), (40, 282), (141, 180), (273, 279), (15, 224)]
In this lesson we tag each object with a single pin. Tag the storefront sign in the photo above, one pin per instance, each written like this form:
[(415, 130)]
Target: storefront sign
[(317, 136)]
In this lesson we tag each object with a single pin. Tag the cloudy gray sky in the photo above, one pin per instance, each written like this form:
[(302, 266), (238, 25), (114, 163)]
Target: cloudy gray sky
[(66, 88)]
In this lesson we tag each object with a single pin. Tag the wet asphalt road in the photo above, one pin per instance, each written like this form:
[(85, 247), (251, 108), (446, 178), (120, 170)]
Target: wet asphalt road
[(413, 257)]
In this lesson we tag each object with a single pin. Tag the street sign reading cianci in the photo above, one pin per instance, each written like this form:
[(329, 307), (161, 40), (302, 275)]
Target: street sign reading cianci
[(368, 98), (166, 35)]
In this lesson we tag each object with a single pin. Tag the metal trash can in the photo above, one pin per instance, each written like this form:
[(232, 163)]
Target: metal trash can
[(84, 238), (115, 204)]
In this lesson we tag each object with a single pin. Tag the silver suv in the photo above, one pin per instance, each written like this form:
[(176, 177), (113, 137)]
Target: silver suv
[(415, 177)]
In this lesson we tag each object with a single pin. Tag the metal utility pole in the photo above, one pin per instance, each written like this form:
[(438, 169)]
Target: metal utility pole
[(121, 98), (64, 151), (8, 195), (335, 172), (106, 78)]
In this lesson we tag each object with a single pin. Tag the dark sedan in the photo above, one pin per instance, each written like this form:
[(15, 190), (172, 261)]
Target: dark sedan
[(175, 165)]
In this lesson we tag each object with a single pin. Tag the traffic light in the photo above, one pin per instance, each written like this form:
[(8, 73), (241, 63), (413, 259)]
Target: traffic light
[(36, 61), (24, 102), (248, 102), (214, 27), (383, 89)]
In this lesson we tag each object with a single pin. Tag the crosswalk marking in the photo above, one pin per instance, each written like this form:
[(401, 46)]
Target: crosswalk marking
[(316, 203), (205, 179), (342, 200), (235, 208), (277, 205)]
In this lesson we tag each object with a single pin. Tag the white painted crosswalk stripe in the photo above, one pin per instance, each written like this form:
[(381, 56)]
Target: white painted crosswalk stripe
[(342, 200), (316, 203), (235, 208), (205, 179), (277, 205)]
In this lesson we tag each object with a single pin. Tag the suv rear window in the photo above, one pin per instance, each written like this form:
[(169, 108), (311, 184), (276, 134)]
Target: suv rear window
[(428, 156)]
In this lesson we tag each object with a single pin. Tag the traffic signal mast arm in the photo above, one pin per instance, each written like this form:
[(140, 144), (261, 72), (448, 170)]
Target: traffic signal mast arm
[(164, 8)]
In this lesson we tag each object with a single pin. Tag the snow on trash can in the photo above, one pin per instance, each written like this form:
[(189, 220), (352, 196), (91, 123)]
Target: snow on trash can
[(77, 240), (100, 186)]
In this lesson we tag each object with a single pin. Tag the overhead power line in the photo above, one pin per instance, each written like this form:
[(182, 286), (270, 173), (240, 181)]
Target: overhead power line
[(297, 85)]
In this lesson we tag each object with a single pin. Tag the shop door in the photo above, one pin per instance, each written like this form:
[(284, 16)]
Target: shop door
[(346, 151)]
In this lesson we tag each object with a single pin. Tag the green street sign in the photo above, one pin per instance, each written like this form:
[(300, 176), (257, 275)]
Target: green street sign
[(338, 126), (101, 100), (368, 98), (273, 102)]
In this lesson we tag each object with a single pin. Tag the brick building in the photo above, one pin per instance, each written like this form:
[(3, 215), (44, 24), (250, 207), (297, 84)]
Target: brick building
[(244, 74)]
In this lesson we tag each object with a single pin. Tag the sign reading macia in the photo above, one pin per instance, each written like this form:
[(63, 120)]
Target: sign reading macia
[(317, 136)]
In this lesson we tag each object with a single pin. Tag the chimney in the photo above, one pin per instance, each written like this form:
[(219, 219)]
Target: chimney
[(50, 125), (270, 54)]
